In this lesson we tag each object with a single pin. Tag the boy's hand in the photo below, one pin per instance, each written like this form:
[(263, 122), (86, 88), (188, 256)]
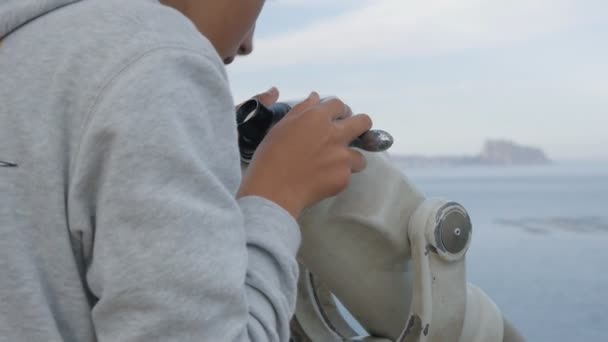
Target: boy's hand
[(305, 157)]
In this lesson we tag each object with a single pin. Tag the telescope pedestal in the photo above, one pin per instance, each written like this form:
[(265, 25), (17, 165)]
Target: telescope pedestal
[(395, 260)]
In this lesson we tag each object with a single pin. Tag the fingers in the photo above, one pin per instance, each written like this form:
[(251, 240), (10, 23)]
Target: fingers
[(313, 100), (332, 107), (269, 97), (348, 113), (335, 109), (358, 161), (351, 128), (344, 111)]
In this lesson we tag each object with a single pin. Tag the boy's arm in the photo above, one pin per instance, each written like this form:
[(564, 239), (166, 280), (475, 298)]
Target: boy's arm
[(173, 256)]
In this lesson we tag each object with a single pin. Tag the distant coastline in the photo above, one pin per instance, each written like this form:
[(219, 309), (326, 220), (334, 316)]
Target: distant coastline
[(493, 152)]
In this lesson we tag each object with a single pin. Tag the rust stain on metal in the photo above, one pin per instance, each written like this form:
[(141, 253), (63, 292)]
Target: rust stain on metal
[(413, 329), (430, 248)]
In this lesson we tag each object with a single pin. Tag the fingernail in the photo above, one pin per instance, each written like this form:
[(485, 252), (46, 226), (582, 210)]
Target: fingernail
[(272, 90)]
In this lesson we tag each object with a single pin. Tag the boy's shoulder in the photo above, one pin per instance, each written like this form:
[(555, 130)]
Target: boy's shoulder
[(122, 27)]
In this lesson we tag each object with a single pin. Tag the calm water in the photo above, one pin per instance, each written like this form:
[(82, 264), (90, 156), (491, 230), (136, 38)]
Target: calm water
[(540, 243)]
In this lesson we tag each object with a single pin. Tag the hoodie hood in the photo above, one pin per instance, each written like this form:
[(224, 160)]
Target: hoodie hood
[(15, 13)]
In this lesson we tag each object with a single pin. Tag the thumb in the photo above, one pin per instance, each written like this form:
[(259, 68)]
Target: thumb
[(268, 97)]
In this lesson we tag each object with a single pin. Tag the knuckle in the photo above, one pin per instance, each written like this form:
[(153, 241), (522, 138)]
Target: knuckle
[(340, 103), (335, 101), (306, 105), (336, 133), (345, 157), (314, 117), (336, 104)]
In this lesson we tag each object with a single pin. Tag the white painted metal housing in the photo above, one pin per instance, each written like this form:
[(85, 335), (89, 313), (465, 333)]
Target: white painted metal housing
[(396, 260)]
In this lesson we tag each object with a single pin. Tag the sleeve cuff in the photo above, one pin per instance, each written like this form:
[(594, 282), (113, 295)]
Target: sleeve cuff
[(266, 218)]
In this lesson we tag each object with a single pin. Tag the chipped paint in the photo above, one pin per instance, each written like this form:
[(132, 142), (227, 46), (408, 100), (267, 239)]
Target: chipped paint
[(430, 248), (413, 329)]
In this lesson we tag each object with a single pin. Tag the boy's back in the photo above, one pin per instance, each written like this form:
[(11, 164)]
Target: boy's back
[(123, 213), (118, 169)]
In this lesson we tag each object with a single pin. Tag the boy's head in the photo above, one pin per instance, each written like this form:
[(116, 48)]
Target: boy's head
[(228, 24)]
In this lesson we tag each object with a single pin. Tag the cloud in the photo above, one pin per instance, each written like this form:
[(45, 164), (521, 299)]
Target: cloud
[(389, 29)]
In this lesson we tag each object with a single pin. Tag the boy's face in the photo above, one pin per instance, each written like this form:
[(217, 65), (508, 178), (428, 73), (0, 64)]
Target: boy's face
[(228, 24)]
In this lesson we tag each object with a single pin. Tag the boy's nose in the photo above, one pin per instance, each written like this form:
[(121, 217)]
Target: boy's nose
[(246, 47)]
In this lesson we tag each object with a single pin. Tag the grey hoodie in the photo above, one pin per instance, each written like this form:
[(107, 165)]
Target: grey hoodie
[(118, 173)]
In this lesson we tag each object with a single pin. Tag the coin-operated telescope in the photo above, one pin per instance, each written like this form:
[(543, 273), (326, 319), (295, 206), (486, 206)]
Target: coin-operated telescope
[(394, 258)]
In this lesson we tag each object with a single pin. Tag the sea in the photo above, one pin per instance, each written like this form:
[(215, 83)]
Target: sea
[(540, 242)]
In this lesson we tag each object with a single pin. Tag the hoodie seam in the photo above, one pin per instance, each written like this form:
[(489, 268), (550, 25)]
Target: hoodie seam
[(110, 81)]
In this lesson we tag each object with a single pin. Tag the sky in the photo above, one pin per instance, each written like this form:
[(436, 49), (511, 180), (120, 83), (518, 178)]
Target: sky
[(443, 76)]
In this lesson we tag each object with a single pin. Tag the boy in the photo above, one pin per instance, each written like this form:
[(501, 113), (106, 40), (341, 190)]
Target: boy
[(123, 213)]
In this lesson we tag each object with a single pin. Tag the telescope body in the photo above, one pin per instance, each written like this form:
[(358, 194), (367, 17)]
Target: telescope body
[(396, 260)]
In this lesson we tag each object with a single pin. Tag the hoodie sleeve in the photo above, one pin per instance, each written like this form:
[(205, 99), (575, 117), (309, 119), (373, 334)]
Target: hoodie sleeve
[(173, 256)]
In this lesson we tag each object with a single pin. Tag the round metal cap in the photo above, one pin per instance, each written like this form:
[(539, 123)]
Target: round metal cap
[(454, 230)]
